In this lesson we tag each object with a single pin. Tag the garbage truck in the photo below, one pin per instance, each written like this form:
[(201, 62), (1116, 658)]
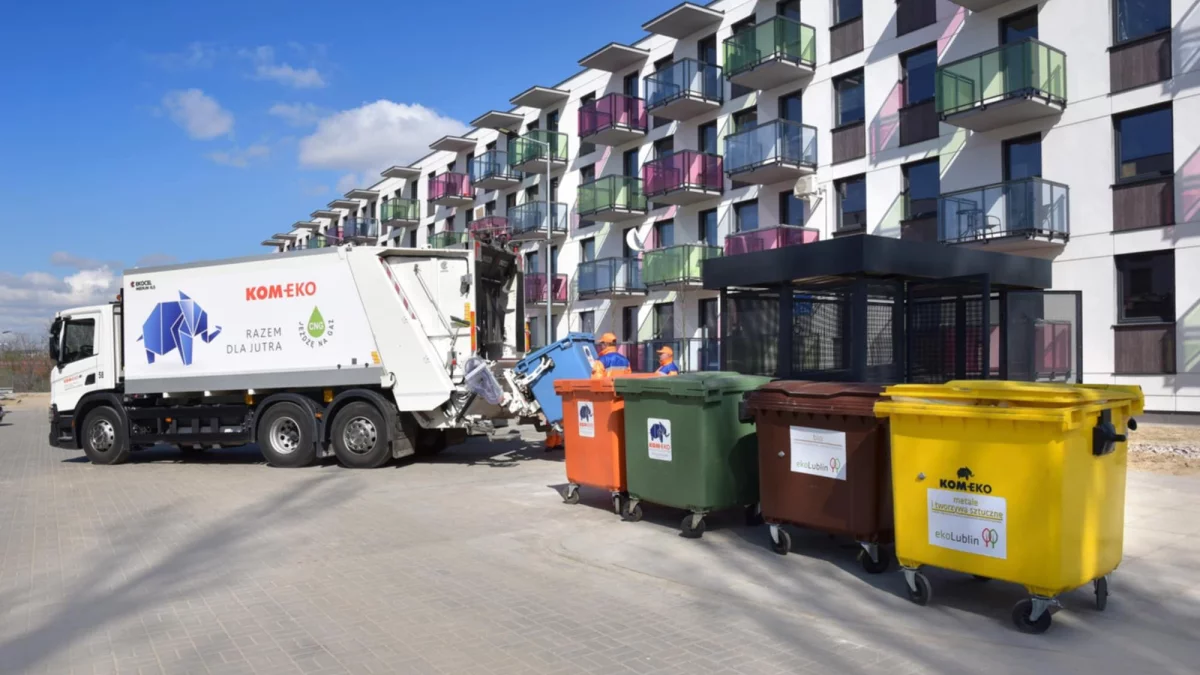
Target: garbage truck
[(363, 353)]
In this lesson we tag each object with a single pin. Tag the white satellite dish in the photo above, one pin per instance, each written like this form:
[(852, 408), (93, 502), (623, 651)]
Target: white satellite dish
[(806, 187), (636, 237)]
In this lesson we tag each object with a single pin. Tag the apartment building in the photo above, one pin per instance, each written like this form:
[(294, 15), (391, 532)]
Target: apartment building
[(1063, 129)]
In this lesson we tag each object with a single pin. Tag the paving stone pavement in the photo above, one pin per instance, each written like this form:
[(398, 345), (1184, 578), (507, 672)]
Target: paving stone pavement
[(470, 563)]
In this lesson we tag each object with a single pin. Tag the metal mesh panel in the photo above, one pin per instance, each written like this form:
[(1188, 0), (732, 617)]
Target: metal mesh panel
[(947, 335), (751, 329), (931, 340), (818, 333)]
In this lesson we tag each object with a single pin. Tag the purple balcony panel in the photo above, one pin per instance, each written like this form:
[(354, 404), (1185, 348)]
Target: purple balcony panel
[(535, 287), (489, 226), (614, 110), (681, 170), (451, 185), (770, 238)]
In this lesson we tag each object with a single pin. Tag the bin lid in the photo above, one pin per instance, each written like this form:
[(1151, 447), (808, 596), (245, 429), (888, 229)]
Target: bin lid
[(595, 385), (691, 385), (1039, 394), (845, 398)]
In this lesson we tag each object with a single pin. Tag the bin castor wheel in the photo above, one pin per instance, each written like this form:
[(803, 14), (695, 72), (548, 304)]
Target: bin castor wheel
[(877, 565), (632, 513), (923, 592), (783, 545), (1101, 589), (754, 517), (690, 530), (618, 502), (1021, 613), (571, 494)]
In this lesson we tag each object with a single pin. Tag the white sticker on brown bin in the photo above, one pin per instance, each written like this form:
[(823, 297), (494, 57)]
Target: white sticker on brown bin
[(819, 452)]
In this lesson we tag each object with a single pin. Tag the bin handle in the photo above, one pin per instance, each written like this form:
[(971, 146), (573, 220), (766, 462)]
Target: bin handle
[(1105, 436)]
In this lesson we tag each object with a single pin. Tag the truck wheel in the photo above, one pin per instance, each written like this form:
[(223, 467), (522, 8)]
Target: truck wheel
[(430, 442), (285, 436), (104, 437), (360, 436)]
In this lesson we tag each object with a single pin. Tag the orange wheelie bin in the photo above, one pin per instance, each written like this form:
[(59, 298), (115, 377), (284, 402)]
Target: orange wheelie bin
[(594, 434)]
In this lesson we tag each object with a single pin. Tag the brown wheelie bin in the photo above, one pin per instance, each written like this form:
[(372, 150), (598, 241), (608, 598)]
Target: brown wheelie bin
[(824, 464)]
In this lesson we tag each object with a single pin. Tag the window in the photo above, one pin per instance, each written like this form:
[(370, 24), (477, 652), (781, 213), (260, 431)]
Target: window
[(533, 263), (79, 340), (664, 147), (531, 194), (430, 207), (1020, 26), (587, 174), (587, 250), (629, 324), (587, 322), (626, 251), (1144, 145), (630, 85), (708, 227), (922, 187), (490, 146), (792, 210), (919, 67), (852, 203), (1146, 287), (707, 134), (1023, 157), (789, 9), (745, 216), (845, 10), (664, 321), (744, 120), (709, 328), (659, 66), (629, 163), (489, 209), (664, 233), (744, 26), (706, 50), (552, 120), (412, 238), (412, 190), (848, 96), (428, 235), (450, 222), (510, 201), (553, 189), (790, 107), (553, 260), (1133, 19), (586, 148), (535, 335)]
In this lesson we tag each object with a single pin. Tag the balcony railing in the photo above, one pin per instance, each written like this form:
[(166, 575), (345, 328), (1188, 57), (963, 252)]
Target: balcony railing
[(777, 142), (779, 38), (451, 187), (676, 264), (691, 354), (770, 238), (449, 239), (1026, 69), (612, 194), (315, 241), (401, 210), (535, 287), (489, 228), (683, 170), (688, 78), (491, 170), (610, 276), (528, 220), (612, 112), (1030, 208), (531, 148), (366, 228)]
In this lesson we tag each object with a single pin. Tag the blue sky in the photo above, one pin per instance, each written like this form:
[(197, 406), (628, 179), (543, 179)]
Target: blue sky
[(162, 130)]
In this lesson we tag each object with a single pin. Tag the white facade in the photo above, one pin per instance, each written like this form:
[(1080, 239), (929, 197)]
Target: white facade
[(1078, 150)]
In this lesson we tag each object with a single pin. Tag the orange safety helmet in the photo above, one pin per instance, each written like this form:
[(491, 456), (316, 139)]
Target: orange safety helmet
[(667, 352), (607, 339)]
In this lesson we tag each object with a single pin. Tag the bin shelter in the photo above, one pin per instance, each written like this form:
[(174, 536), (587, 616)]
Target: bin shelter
[(686, 446), (865, 308), (823, 463), (1022, 482), (594, 437), (570, 358)]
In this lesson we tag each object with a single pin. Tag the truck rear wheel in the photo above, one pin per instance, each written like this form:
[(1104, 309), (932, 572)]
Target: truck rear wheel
[(360, 436), (285, 436), (105, 440)]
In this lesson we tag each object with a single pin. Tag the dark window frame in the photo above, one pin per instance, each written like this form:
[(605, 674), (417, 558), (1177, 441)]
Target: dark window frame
[(907, 194), (583, 249), (798, 95), (1020, 13), (785, 200), (839, 188), (700, 129), (737, 214), (1119, 42), (931, 46), (1117, 163), (66, 355), (1005, 160), (837, 99), (838, 20), (589, 314), (702, 228), (1156, 259)]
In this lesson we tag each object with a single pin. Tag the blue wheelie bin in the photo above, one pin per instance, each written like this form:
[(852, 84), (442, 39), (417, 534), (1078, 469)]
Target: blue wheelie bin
[(570, 358)]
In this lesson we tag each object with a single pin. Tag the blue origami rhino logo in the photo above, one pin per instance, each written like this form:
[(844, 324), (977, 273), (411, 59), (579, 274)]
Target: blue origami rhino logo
[(585, 413), (176, 325), (658, 432)]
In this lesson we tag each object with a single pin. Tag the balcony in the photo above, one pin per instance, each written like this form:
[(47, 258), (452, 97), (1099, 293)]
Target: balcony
[(769, 238), (490, 171), (1030, 216), (684, 90), (528, 221), (610, 278), (1007, 85), (676, 267), (775, 52), (771, 153), (399, 212), (535, 288), (450, 239), (490, 229), (612, 199), (683, 177), (316, 241), (615, 119), (528, 153), (361, 231), (452, 189)]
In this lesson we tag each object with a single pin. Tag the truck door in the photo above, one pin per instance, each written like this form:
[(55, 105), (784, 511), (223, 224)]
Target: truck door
[(78, 346)]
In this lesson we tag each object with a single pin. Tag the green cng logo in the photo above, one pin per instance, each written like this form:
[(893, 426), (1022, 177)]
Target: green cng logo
[(317, 331)]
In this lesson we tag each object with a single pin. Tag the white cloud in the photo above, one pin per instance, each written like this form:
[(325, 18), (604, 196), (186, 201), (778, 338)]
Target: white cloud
[(347, 183), (265, 68), (198, 114), (297, 114), (195, 56), (375, 136), (241, 157), (28, 302)]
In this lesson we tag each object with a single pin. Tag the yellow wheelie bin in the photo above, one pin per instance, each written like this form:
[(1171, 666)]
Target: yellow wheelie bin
[(1016, 481)]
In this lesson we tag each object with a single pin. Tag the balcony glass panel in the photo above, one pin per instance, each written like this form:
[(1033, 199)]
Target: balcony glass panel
[(451, 185), (614, 110), (316, 241), (610, 275), (493, 164), (779, 38), (682, 170), (770, 238), (1026, 68), (489, 227), (1032, 207), (401, 209), (531, 217), (535, 287), (454, 239), (365, 228), (677, 264), (531, 147), (780, 141), (688, 78), (612, 193)]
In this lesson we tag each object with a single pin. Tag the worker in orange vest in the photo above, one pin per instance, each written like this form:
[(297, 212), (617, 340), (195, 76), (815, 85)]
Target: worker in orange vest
[(666, 362), (611, 362)]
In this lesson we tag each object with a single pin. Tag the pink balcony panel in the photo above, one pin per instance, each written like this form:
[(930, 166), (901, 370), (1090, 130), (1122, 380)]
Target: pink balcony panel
[(451, 185), (489, 226), (683, 170), (535, 288), (770, 238), (1054, 357), (614, 110)]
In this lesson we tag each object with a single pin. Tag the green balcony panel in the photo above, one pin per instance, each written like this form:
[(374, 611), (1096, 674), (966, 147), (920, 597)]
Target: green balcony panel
[(528, 153), (448, 240), (772, 53), (676, 265), (401, 210), (1007, 85), (612, 199)]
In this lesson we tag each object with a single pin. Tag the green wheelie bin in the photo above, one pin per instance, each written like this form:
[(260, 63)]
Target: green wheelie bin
[(685, 446)]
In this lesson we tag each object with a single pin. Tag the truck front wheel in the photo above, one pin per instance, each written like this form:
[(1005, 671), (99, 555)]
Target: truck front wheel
[(285, 436), (105, 440), (360, 436)]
